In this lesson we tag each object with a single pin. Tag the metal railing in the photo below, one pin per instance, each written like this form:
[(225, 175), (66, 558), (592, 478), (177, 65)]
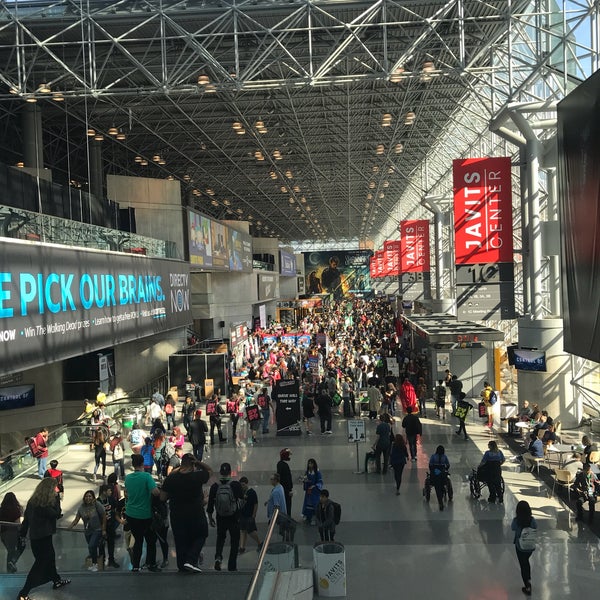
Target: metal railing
[(261, 556)]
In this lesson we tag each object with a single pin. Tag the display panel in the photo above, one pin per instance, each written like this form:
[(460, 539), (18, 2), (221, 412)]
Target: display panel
[(200, 240), (341, 273), (17, 396), (60, 302), (287, 263)]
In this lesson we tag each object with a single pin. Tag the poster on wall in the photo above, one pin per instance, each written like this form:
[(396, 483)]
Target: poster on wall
[(341, 273), (200, 240), (220, 258), (17, 396), (287, 263), (239, 249), (60, 302), (483, 238)]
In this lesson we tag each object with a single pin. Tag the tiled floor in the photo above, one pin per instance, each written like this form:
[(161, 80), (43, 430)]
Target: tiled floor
[(396, 545)]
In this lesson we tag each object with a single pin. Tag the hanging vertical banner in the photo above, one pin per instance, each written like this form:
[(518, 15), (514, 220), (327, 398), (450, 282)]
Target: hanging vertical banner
[(379, 260), (372, 267), (483, 238), (391, 249), (482, 211), (414, 246)]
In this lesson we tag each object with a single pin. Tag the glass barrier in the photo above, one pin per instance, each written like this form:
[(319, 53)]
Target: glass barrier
[(26, 225)]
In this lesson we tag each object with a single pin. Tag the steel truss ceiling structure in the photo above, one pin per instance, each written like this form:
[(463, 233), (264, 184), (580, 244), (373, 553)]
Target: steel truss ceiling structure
[(351, 112)]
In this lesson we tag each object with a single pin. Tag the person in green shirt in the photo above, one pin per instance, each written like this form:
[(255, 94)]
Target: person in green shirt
[(140, 487)]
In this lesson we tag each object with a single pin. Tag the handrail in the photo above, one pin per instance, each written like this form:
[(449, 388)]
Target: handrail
[(261, 556)]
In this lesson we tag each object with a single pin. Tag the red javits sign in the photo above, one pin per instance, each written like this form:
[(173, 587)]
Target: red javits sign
[(482, 211), (414, 246)]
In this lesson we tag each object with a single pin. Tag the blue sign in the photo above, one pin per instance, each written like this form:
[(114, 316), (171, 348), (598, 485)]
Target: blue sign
[(17, 396)]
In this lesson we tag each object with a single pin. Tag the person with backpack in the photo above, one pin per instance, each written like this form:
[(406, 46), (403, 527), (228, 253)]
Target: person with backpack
[(440, 399), (225, 498), (413, 429), (439, 466), (461, 410), (197, 435), (525, 527), (214, 412), (266, 406), (183, 488), (232, 408), (489, 399), (325, 517), (253, 416)]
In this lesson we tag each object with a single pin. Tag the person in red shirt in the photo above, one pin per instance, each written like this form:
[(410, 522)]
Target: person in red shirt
[(41, 440)]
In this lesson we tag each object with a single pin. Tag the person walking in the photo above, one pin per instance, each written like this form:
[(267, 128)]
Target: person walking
[(214, 412), (187, 411), (110, 503), (197, 435), (10, 517), (170, 404), (232, 408), (421, 392), (456, 387), (93, 515), (375, 398), (324, 404), (439, 466), (99, 441), (486, 394), (491, 469), (139, 487), (224, 498), (285, 477), (248, 516), (266, 406), (117, 447), (183, 489), (461, 411), (413, 429), (382, 443), (41, 443), (440, 399), (313, 484), (523, 519), (276, 498), (398, 459), (39, 520)]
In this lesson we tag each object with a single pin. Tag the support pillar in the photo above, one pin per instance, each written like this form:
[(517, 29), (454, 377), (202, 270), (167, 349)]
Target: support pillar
[(33, 143), (96, 174)]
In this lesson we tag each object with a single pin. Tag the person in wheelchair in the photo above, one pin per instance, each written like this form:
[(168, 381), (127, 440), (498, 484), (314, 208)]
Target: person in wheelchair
[(490, 471), (439, 465)]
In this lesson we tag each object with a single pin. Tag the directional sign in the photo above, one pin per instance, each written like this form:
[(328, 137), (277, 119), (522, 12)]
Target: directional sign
[(356, 431)]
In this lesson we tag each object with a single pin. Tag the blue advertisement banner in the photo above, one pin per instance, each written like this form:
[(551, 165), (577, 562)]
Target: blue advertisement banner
[(287, 264), (18, 396), (58, 302)]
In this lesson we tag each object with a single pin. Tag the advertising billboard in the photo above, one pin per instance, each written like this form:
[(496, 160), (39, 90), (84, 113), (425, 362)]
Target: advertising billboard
[(59, 302), (239, 248), (341, 273), (287, 263), (220, 258), (200, 240), (17, 396)]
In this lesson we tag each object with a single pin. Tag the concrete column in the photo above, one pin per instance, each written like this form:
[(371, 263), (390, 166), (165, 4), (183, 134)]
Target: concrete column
[(33, 144), (555, 275), (551, 390)]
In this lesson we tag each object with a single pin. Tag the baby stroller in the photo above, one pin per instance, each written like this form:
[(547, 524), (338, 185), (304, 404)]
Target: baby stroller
[(448, 491), (477, 483)]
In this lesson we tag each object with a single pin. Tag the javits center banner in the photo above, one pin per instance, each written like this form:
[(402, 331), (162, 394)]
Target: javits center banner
[(341, 273), (483, 238), (56, 302), (579, 198), (415, 278)]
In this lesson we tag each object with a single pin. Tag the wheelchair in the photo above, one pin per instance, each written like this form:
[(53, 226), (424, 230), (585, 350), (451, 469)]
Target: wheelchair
[(448, 491), (476, 485)]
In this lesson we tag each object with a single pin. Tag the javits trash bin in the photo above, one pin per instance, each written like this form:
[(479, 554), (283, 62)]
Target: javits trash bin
[(330, 569), (279, 557)]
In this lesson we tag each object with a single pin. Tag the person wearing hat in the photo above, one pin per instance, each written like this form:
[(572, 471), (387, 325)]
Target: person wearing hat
[(183, 489), (225, 498), (285, 477)]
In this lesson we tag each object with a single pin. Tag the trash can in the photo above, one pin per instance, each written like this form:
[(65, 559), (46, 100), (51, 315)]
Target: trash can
[(330, 569), (279, 557), (128, 421)]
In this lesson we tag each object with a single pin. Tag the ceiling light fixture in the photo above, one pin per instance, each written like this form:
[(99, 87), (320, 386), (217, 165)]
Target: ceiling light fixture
[(203, 80), (144, 162), (396, 74), (156, 158), (380, 149), (237, 125), (272, 175), (99, 137), (399, 148), (44, 88), (138, 159), (58, 97), (409, 118), (30, 99), (113, 131), (91, 132), (289, 174), (386, 121), (186, 177), (283, 189), (121, 136), (20, 164)]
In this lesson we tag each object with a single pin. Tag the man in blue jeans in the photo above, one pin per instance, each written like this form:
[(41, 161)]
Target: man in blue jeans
[(41, 440)]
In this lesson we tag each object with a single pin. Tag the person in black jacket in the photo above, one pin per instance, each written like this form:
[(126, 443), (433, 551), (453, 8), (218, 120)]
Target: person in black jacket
[(323, 402), (197, 435), (39, 521), (413, 428), (285, 477)]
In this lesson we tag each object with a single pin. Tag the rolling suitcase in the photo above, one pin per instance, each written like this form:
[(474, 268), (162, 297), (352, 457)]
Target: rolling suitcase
[(482, 411)]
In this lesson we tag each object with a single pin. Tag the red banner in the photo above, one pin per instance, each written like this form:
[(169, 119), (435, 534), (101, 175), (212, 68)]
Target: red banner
[(372, 267), (482, 211), (414, 246), (379, 263), (391, 257)]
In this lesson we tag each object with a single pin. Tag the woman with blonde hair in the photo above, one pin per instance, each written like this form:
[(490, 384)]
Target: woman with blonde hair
[(39, 521)]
